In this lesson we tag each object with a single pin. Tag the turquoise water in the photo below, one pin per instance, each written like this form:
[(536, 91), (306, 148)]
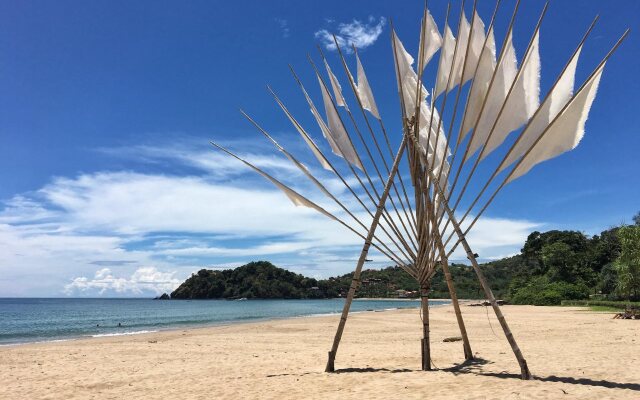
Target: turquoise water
[(34, 320)]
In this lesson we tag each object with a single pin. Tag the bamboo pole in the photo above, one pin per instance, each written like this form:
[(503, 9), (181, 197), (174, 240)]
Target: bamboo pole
[(355, 175), (409, 215), (426, 346), (524, 369), (468, 354), (454, 298), (467, 347), (371, 158), (323, 188), (386, 215), (363, 255)]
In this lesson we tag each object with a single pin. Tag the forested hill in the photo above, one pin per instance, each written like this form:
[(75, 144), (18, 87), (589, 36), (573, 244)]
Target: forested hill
[(263, 280), (552, 266), (259, 279)]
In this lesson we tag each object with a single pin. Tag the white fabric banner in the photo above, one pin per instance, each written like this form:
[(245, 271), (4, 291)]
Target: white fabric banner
[(523, 101), (427, 123), (430, 41), (480, 85), (364, 91), (335, 85), (312, 145), (505, 75), (551, 106), (475, 47), (296, 198), (446, 58), (337, 131), (473, 38), (566, 131)]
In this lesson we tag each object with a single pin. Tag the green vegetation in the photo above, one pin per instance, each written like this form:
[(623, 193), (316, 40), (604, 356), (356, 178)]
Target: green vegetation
[(259, 279), (552, 268), (618, 305)]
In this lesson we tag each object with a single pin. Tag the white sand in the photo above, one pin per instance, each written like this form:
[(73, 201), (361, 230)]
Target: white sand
[(574, 354)]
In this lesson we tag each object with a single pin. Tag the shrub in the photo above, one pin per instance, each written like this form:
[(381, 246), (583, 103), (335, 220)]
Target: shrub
[(541, 292)]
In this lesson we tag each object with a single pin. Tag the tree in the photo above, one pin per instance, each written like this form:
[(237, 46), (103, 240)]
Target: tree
[(628, 264), (636, 218), (559, 261)]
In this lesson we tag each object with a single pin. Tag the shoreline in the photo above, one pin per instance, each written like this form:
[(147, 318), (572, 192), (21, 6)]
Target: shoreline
[(187, 327), (573, 354)]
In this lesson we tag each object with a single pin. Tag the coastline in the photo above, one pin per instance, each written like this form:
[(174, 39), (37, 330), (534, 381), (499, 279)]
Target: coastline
[(573, 353), (211, 324)]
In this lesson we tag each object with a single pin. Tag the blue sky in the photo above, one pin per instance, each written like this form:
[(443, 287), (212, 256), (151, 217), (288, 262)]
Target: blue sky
[(108, 185)]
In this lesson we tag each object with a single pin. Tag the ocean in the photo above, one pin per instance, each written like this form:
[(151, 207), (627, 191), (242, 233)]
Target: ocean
[(26, 320)]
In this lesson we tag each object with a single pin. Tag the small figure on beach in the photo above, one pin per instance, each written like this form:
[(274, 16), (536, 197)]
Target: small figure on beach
[(119, 324)]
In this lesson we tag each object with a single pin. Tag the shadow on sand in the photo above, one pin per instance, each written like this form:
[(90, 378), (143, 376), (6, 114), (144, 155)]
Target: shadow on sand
[(475, 367)]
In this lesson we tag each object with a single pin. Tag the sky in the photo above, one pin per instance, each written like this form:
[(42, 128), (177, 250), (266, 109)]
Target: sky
[(108, 183)]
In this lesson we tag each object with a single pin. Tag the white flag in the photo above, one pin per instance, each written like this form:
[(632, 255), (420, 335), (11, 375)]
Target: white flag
[(408, 80), (473, 38), (335, 85), (475, 47), (446, 58), (480, 85), (566, 131), (407, 77), (505, 75), (312, 145), (551, 106), (430, 41), (296, 198), (337, 131), (364, 91), (323, 126), (523, 101)]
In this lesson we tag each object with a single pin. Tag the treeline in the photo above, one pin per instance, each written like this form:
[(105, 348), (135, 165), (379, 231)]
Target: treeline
[(551, 267), (259, 279)]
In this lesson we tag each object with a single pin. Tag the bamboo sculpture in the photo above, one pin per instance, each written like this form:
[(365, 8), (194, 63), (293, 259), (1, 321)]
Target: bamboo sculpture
[(414, 228)]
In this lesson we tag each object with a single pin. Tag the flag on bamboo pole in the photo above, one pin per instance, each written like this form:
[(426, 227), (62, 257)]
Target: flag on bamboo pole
[(506, 73), (335, 85), (476, 42), (446, 58), (428, 123), (551, 106), (458, 61), (323, 126), (566, 131), (364, 91), (303, 168), (295, 197), (474, 37), (308, 140), (480, 85), (430, 41), (523, 101), (337, 131)]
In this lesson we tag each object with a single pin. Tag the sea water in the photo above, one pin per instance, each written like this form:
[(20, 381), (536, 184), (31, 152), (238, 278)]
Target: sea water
[(34, 320)]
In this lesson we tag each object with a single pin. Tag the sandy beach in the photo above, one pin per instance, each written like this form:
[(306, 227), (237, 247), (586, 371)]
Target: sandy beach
[(573, 353)]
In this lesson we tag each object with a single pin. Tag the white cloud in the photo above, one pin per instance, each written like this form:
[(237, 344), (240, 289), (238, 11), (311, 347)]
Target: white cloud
[(357, 33), (142, 281), (130, 233)]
